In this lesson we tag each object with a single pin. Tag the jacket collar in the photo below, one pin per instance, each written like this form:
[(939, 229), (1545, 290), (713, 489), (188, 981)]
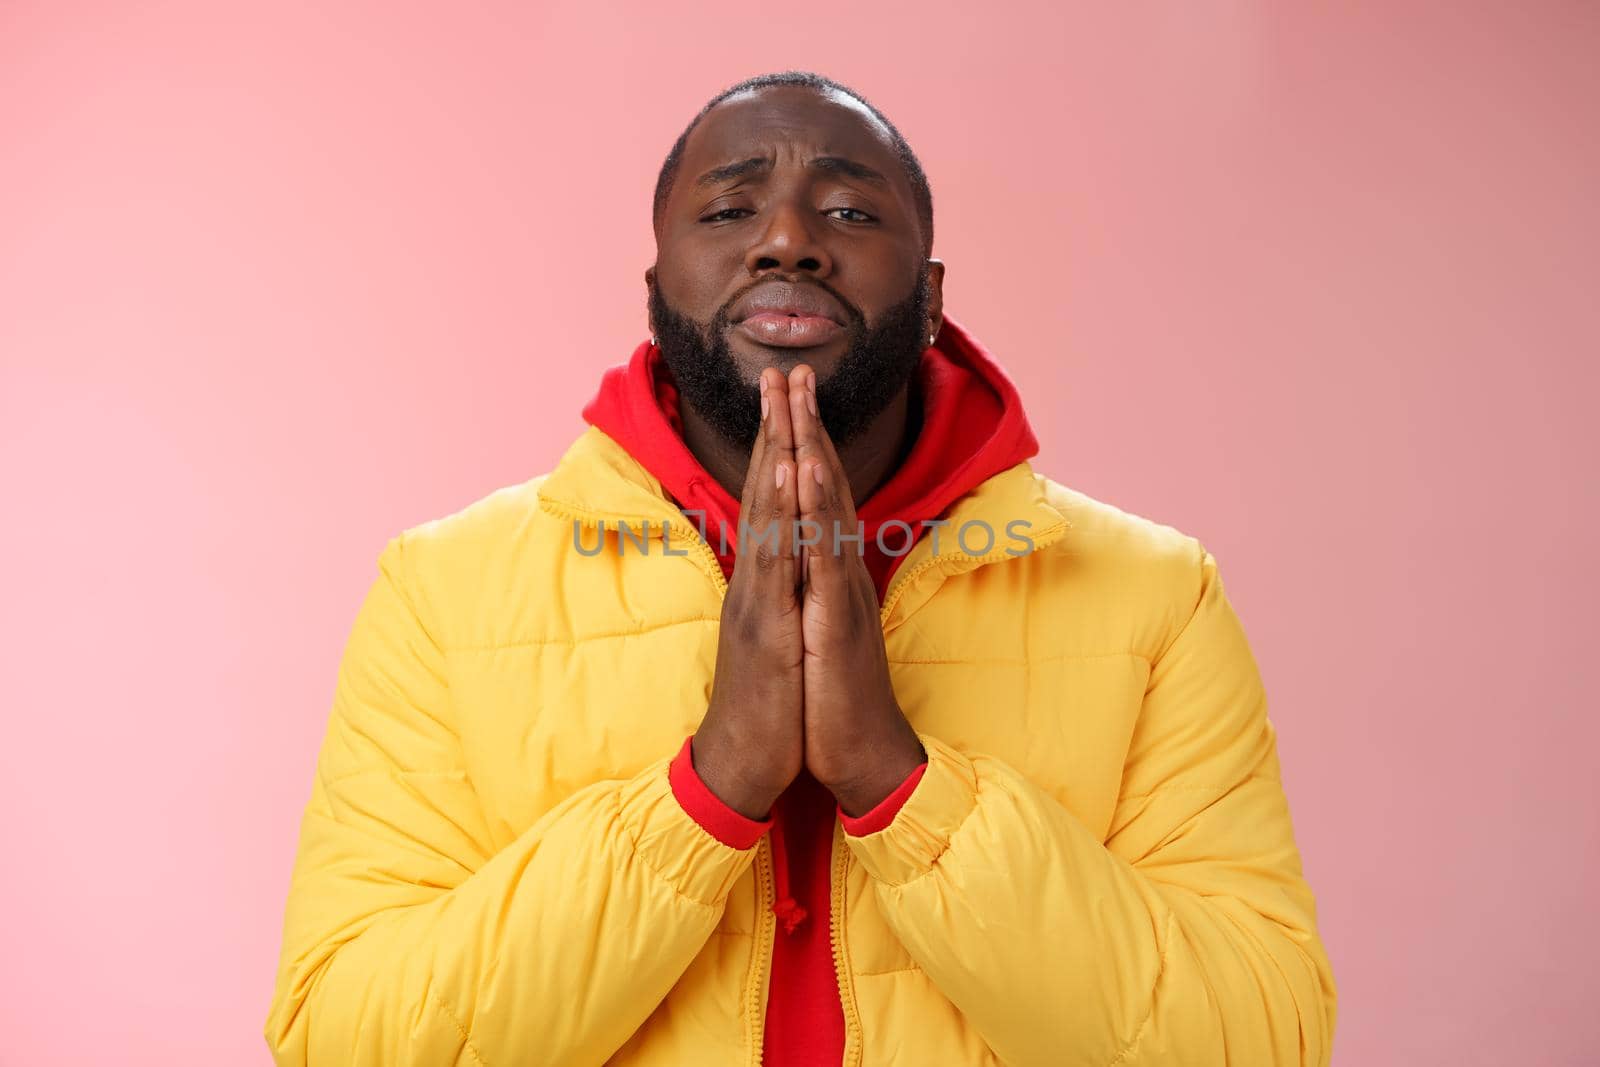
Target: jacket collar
[(598, 480)]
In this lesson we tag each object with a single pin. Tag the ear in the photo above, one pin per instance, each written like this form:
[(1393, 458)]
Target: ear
[(935, 296), (649, 281)]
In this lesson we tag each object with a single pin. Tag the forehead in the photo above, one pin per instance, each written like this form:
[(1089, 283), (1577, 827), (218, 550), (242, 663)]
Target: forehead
[(763, 122)]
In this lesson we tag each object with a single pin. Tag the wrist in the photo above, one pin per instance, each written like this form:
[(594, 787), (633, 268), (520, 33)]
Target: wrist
[(861, 794), (719, 772)]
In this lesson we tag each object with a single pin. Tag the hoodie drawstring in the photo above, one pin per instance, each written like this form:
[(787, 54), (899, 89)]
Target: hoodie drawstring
[(786, 908)]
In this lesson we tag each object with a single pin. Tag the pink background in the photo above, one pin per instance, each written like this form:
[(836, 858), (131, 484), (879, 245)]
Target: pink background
[(277, 281)]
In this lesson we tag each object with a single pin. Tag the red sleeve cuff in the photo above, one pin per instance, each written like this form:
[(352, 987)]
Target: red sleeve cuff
[(708, 809), (881, 816)]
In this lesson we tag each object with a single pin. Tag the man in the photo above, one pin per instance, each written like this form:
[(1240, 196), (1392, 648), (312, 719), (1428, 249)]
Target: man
[(915, 756)]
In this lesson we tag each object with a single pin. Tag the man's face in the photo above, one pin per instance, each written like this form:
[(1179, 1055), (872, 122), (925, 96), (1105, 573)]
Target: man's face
[(791, 235)]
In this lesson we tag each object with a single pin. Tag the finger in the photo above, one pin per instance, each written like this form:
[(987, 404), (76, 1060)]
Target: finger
[(771, 507), (778, 424), (767, 545), (828, 563), (750, 496), (811, 440), (774, 443), (752, 472)]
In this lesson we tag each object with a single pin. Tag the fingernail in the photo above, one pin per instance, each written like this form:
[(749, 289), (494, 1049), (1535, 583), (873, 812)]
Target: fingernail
[(765, 403), (782, 475), (816, 472), (811, 401), (811, 382)]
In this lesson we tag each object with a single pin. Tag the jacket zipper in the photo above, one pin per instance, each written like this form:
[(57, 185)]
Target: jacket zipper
[(839, 870), (761, 964)]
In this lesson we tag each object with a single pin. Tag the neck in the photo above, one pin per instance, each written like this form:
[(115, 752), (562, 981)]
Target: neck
[(868, 460)]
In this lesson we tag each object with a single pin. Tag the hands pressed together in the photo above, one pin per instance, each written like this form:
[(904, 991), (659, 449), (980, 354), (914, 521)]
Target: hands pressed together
[(802, 677)]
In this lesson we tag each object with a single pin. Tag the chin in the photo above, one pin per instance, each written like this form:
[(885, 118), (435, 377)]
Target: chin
[(752, 358)]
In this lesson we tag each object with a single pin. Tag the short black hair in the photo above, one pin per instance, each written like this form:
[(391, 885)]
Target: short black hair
[(920, 191)]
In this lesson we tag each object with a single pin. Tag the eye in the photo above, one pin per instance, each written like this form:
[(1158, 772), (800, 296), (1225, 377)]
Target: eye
[(727, 214), (849, 214)]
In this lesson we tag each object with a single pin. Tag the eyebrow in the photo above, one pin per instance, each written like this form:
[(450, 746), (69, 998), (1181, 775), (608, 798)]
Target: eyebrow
[(756, 164), (729, 171), (849, 168)]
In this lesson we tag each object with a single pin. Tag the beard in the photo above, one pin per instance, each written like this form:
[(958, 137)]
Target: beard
[(880, 361)]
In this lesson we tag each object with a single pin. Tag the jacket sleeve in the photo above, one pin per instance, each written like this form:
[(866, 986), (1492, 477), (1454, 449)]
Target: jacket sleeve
[(410, 938), (1188, 936)]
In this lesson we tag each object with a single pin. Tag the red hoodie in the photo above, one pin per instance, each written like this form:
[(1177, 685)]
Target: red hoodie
[(972, 427)]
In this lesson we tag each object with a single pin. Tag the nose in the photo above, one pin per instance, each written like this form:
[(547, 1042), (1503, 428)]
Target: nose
[(789, 244)]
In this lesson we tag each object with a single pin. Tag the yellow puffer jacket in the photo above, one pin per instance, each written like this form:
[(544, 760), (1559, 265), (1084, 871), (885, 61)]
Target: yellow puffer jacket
[(1097, 867)]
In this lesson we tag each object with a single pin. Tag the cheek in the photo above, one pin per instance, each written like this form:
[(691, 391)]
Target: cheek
[(698, 275), (876, 283)]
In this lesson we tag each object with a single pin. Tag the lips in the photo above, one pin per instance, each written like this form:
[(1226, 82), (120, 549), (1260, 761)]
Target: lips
[(786, 315)]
